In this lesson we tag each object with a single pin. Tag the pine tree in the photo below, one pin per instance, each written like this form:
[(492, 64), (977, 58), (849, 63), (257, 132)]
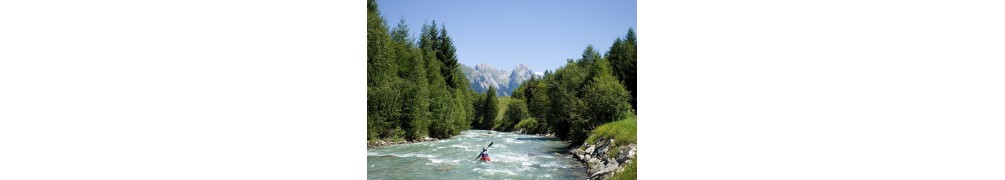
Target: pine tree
[(622, 57), (491, 109), (439, 106), (415, 97), (382, 96), (447, 54)]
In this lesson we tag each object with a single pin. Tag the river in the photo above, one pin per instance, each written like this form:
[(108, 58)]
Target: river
[(514, 156)]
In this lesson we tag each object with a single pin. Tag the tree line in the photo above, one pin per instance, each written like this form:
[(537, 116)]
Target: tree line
[(582, 94), (415, 88)]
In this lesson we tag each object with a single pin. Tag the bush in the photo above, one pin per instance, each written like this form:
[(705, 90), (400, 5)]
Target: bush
[(500, 117), (528, 125), (606, 100), (515, 112)]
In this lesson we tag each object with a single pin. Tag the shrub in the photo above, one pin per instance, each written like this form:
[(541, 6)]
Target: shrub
[(527, 125), (515, 112)]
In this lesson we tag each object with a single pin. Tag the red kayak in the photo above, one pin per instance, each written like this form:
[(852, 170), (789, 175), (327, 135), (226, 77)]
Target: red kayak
[(485, 156)]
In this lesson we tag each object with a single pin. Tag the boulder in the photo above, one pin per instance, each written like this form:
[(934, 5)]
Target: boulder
[(626, 153), (604, 170), (601, 150), (600, 165), (578, 154)]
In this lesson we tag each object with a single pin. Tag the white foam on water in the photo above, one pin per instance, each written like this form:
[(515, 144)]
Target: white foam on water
[(510, 158), (466, 148), (413, 155), (435, 160), (494, 171), (557, 164)]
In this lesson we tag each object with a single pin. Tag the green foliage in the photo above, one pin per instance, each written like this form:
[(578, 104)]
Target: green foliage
[(380, 82), (622, 57), (447, 54), (532, 92), (519, 91), (563, 94), (629, 172), (400, 33), (489, 109), (579, 96), (439, 107), (465, 112), (589, 55), (528, 125), (606, 100), (623, 131), (502, 106), (516, 110), (413, 90), (479, 114)]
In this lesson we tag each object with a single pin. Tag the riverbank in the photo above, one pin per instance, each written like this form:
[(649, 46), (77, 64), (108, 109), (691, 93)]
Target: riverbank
[(605, 159), (610, 151), (379, 143), (544, 135)]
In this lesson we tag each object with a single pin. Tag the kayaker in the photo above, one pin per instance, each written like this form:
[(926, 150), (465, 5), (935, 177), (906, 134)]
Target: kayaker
[(484, 156)]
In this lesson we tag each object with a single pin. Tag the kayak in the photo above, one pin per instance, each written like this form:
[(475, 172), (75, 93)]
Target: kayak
[(484, 156)]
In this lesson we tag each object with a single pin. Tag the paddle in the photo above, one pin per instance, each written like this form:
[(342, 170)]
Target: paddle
[(487, 147)]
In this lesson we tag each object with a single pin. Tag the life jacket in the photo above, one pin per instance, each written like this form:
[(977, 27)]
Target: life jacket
[(485, 156)]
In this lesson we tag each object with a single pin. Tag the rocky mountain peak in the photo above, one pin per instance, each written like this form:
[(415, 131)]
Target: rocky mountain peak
[(521, 67), (483, 76)]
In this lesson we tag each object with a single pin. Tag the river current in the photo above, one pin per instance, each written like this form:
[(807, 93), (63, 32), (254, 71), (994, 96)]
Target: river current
[(513, 156)]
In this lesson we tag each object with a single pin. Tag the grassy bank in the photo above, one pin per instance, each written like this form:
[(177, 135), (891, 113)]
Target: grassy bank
[(629, 172), (624, 133)]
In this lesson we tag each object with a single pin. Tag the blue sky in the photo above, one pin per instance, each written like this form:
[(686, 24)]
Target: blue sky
[(539, 34)]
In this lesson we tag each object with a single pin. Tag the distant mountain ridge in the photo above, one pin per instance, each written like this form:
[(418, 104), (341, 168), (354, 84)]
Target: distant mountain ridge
[(483, 76)]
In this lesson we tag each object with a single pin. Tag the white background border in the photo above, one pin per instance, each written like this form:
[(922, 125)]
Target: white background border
[(822, 89)]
